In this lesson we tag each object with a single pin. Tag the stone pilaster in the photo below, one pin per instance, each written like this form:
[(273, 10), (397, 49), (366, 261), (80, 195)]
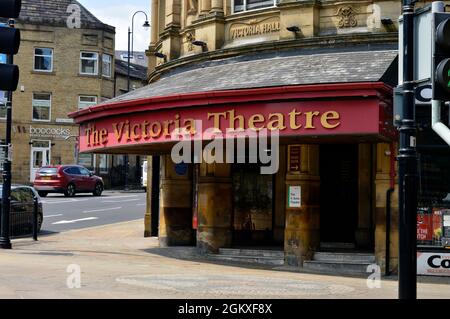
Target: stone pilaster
[(302, 235), (382, 184), (175, 217), (215, 207), (364, 232)]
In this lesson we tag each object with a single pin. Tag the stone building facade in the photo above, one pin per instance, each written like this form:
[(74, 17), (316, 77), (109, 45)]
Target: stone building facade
[(66, 62), (320, 72)]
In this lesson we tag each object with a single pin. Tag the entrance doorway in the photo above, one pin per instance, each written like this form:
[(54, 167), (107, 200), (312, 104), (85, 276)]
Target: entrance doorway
[(338, 193), (40, 156), (253, 206)]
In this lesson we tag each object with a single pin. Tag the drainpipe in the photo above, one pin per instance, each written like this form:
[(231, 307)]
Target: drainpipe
[(389, 193), (440, 128)]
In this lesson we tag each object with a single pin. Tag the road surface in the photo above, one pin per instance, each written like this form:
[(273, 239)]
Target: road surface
[(83, 211)]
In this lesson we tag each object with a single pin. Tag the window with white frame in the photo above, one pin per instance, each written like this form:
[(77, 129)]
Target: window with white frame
[(42, 104), (43, 59), (248, 5), (107, 65), (85, 101), (89, 63)]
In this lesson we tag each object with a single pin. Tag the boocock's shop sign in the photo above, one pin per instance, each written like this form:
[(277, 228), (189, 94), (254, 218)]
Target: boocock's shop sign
[(313, 118)]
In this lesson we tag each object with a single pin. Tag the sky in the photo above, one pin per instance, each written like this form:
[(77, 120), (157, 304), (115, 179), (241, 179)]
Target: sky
[(118, 13)]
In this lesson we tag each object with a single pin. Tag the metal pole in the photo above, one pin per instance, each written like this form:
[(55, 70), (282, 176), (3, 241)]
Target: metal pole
[(35, 219), (5, 242), (407, 158), (128, 58)]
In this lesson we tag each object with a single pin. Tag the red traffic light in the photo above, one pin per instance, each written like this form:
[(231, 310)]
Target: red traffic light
[(10, 8), (9, 40), (9, 77)]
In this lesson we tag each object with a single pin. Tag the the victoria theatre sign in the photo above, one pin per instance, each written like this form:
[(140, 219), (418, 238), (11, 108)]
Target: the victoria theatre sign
[(312, 118)]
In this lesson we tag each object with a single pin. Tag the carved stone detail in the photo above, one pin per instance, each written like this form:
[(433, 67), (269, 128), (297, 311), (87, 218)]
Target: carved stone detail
[(347, 18)]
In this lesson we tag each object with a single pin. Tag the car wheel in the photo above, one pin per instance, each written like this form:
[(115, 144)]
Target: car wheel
[(40, 219), (43, 194), (70, 191), (98, 189)]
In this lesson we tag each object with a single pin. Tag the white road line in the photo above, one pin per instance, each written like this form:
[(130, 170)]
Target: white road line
[(141, 204), (101, 210), (120, 201), (70, 200), (114, 197), (48, 216), (74, 221)]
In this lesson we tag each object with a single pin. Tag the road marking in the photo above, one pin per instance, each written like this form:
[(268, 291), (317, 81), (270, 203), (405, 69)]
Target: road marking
[(114, 197), (74, 221), (64, 201), (120, 201), (101, 210), (48, 216), (141, 204)]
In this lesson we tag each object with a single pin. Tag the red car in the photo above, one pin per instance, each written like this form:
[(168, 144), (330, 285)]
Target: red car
[(67, 179)]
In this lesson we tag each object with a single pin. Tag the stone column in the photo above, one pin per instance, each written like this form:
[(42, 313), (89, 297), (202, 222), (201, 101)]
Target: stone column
[(364, 231), (217, 7), (302, 235), (154, 23), (280, 195), (175, 216), (382, 184), (215, 207), (205, 7), (148, 209)]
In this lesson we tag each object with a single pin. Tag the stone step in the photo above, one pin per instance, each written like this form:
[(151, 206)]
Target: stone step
[(326, 245), (337, 267), (344, 257), (269, 261), (251, 252)]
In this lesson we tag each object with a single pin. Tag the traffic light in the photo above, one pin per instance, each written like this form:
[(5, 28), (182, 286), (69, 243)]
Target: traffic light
[(9, 44), (441, 57)]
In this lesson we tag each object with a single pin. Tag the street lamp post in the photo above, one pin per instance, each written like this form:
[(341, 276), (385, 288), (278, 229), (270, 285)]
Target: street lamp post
[(131, 51), (408, 171)]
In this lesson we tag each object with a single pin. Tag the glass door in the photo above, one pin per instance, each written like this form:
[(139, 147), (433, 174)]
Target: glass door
[(40, 157)]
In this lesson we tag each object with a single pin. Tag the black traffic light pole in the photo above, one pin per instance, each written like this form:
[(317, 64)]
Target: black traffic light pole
[(5, 242), (407, 159)]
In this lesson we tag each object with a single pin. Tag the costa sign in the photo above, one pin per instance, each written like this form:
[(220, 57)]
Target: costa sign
[(433, 264), (300, 118)]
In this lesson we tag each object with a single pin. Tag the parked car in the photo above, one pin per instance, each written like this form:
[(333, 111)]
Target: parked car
[(68, 180), (22, 208)]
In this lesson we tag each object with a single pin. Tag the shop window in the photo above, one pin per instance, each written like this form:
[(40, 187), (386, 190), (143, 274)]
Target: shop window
[(43, 59), (103, 163), (3, 100), (89, 63), (85, 101), (248, 5), (87, 160), (434, 198), (42, 106), (107, 65)]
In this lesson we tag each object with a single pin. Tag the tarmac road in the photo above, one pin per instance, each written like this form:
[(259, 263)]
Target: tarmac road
[(83, 211)]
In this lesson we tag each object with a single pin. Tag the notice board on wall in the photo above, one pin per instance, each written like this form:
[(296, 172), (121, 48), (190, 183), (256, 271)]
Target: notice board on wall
[(295, 197)]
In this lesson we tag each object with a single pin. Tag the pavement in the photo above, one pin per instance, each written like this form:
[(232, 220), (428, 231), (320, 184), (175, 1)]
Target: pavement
[(82, 211), (116, 261)]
